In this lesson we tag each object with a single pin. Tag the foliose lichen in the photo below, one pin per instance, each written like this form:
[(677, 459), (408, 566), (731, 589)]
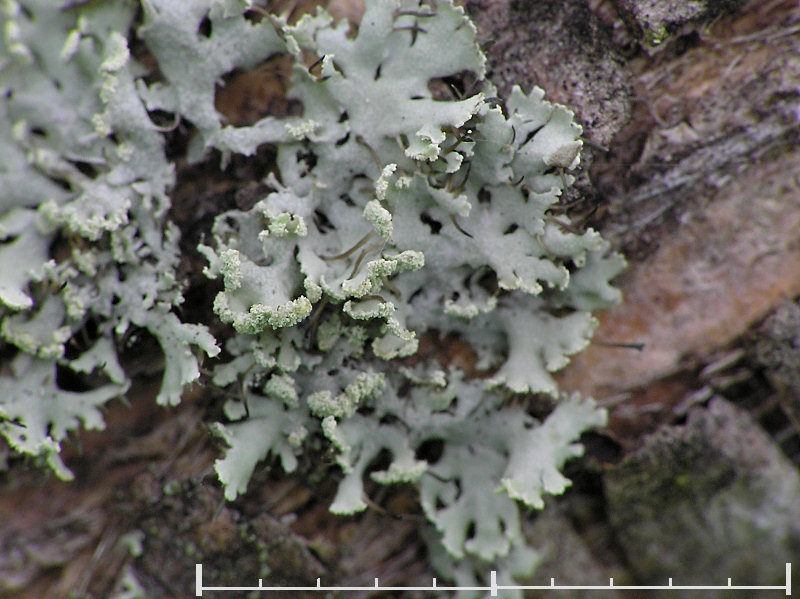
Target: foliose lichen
[(418, 214), (393, 212), (87, 256)]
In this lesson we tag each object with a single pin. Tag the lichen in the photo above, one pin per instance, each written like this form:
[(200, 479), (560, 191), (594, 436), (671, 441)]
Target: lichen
[(422, 215), (68, 186), (391, 213)]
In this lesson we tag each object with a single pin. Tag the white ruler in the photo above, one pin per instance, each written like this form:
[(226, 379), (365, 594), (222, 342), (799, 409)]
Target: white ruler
[(493, 589)]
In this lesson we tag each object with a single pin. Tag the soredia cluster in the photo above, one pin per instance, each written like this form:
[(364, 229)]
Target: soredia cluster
[(400, 206)]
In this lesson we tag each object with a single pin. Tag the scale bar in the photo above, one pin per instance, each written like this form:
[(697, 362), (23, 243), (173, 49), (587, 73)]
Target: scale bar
[(494, 588)]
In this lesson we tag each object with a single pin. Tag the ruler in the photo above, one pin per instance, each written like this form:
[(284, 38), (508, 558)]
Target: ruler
[(493, 589)]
